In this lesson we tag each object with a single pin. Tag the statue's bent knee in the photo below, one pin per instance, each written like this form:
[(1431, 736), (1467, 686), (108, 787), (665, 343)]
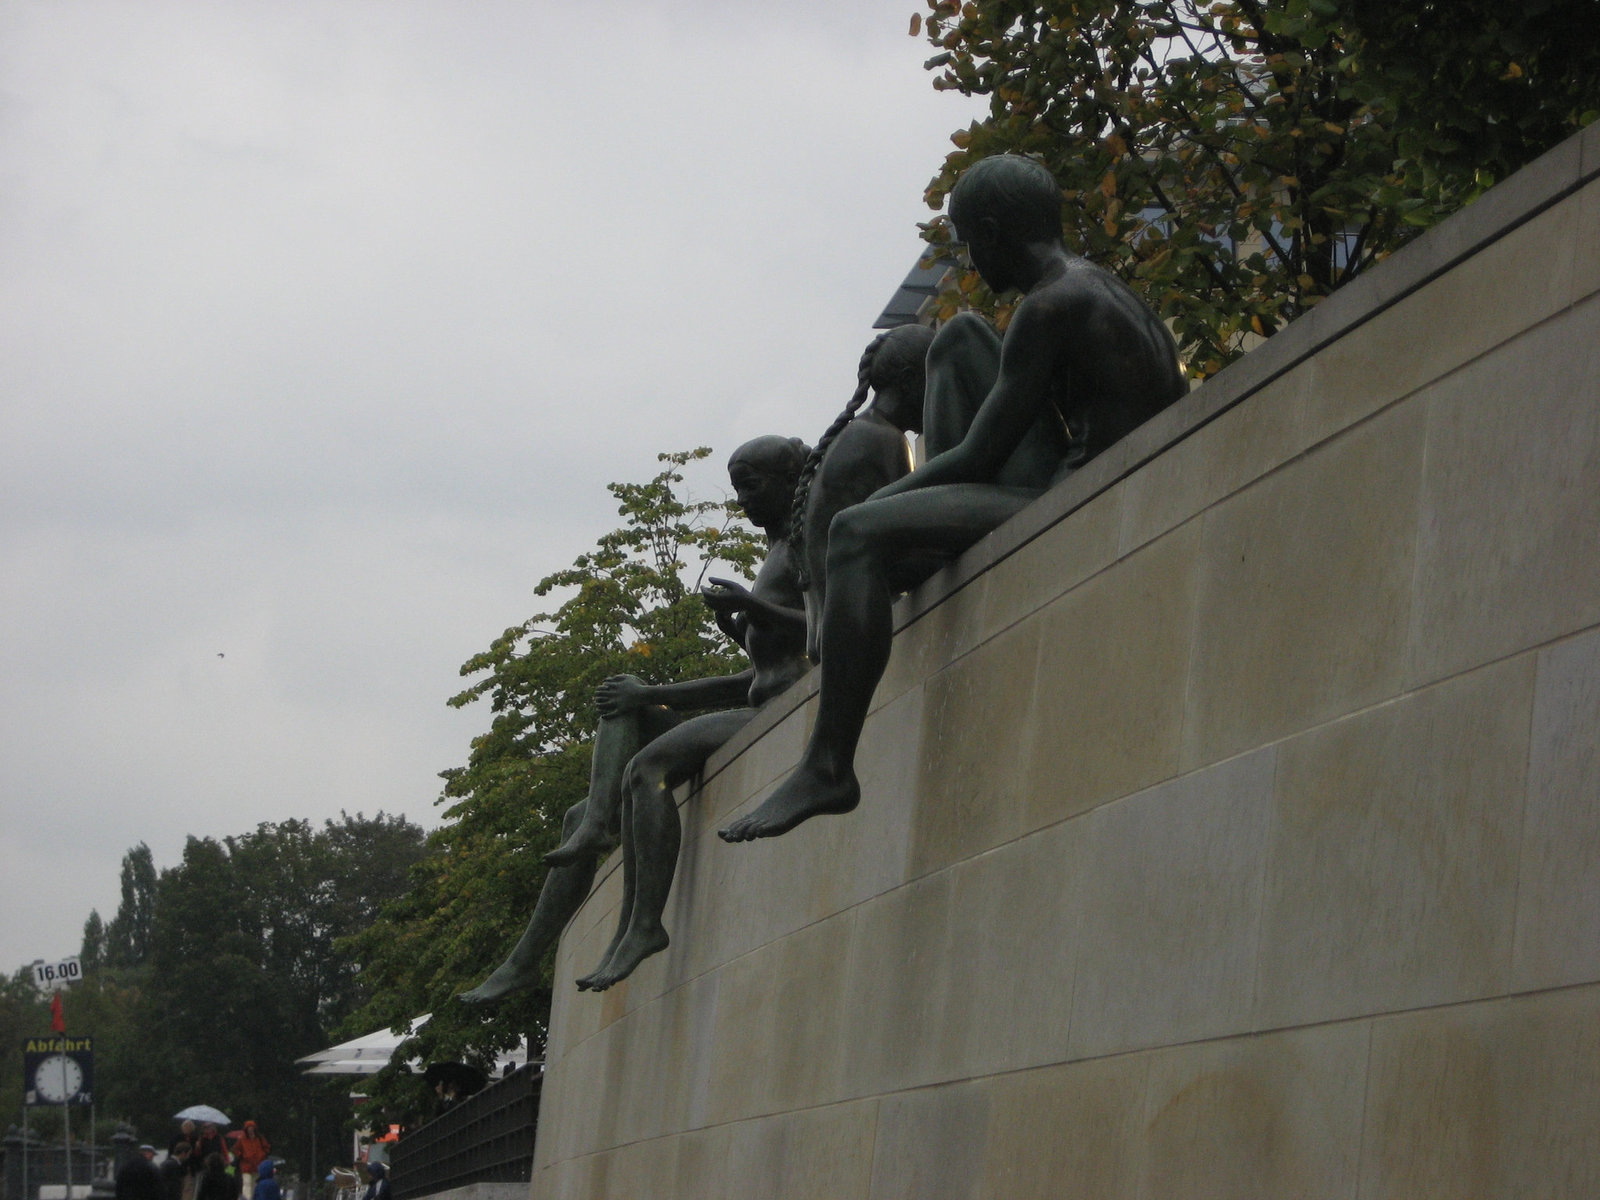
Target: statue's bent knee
[(958, 336)]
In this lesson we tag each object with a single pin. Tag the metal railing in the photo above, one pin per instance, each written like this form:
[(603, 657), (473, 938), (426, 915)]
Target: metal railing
[(26, 1169), (487, 1138)]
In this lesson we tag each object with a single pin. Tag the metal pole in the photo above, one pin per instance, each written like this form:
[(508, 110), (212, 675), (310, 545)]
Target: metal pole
[(25, 1107), (314, 1192), (66, 1111), (91, 1144)]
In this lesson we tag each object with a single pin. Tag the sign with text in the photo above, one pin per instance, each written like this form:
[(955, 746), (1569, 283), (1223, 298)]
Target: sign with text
[(58, 1070), (47, 977)]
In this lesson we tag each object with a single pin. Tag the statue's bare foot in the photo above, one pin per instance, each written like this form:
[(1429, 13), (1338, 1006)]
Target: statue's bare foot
[(587, 841), (507, 978), (803, 795), (630, 952)]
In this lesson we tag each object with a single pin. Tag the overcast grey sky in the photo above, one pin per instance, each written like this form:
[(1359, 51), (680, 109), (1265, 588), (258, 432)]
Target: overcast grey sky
[(322, 328)]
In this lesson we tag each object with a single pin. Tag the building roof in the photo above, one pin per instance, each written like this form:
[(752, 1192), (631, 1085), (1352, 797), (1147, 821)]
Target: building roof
[(920, 286)]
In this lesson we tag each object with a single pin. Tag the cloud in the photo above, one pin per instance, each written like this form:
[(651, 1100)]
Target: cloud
[(322, 328)]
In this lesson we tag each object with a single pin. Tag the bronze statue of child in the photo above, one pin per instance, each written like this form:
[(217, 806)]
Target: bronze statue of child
[(645, 747), (1083, 362), (859, 453)]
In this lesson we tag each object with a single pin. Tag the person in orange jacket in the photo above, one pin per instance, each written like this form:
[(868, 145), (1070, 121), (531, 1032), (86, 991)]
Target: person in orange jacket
[(251, 1150)]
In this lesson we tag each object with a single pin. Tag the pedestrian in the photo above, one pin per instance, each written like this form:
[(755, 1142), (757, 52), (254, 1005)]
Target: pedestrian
[(175, 1172), (138, 1179), (267, 1183), (378, 1189), (208, 1143), (188, 1134), (215, 1182), (251, 1151)]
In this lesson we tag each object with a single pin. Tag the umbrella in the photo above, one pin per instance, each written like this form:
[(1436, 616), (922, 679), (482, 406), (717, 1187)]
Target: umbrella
[(203, 1112)]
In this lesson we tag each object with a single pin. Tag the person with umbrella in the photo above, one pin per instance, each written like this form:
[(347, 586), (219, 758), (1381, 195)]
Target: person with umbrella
[(210, 1141), (206, 1141)]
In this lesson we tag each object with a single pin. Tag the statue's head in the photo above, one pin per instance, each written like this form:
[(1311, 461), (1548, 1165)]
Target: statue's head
[(763, 472), (1000, 205), (899, 373)]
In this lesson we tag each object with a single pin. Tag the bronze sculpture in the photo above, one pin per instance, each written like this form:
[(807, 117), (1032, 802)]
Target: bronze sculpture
[(1083, 362), (858, 454), (644, 747)]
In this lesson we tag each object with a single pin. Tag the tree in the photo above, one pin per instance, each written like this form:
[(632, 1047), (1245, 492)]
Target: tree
[(127, 937), (23, 1014), (245, 976), (632, 606), (1237, 161), (228, 972), (92, 953)]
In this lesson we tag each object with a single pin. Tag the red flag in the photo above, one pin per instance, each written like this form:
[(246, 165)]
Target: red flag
[(58, 1021)]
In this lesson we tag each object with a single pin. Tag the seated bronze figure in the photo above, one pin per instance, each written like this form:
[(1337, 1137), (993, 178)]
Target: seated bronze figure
[(1083, 362)]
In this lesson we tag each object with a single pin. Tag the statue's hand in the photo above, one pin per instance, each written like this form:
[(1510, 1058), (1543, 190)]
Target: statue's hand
[(725, 596), (621, 695)]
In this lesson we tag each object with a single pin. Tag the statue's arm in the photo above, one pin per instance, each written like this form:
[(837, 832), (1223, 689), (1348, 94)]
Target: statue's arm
[(1028, 362), (727, 595), (734, 625), (719, 691)]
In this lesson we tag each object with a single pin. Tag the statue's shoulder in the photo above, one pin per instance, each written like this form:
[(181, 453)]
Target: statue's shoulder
[(867, 434)]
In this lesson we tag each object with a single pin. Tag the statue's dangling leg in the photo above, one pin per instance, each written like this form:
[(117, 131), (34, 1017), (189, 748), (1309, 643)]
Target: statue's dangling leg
[(656, 834), (567, 884), (562, 894), (857, 628), (625, 910)]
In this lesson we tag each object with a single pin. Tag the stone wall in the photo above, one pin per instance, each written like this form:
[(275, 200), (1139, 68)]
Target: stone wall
[(1232, 817)]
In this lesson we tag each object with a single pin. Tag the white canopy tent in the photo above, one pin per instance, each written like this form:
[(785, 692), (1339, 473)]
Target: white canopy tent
[(370, 1053), (365, 1055)]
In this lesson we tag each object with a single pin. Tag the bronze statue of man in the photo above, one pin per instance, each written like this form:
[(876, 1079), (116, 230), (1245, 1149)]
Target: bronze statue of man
[(644, 747), (1083, 362)]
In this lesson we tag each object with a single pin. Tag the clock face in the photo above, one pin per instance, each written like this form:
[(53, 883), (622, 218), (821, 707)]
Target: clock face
[(58, 1079)]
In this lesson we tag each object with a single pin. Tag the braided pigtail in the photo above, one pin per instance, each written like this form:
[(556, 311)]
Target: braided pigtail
[(802, 489)]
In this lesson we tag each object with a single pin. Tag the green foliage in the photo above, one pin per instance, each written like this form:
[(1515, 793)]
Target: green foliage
[(243, 958), (225, 972), (631, 606), (127, 938), (23, 1014), (92, 954), (1237, 161)]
